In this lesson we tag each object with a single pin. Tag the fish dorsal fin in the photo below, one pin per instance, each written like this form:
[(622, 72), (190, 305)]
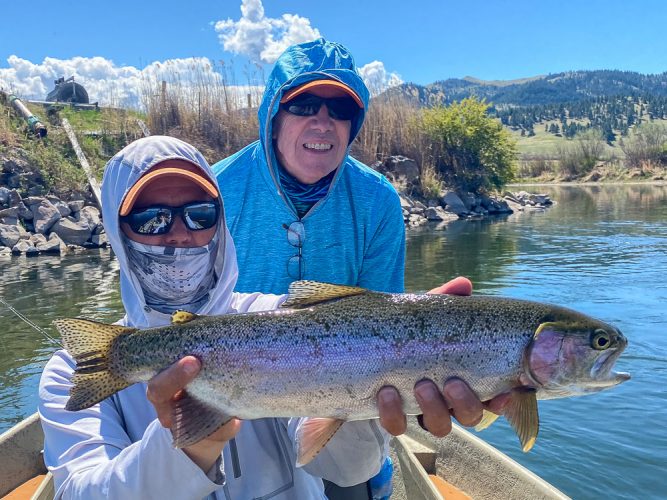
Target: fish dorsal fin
[(312, 435), (307, 293), (182, 317), (521, 413)]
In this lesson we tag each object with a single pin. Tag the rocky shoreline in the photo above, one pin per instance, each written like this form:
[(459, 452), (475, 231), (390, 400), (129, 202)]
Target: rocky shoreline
[(50, 224), (47, 225), (450, 204)]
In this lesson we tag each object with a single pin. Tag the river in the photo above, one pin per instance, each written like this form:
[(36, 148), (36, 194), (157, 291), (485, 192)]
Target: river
[(600, 249)]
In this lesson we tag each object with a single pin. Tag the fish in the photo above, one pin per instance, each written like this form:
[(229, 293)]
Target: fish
[(328, 350)]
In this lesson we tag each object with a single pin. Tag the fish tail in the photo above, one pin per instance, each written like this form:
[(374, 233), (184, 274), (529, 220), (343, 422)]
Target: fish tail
[(90, 343)]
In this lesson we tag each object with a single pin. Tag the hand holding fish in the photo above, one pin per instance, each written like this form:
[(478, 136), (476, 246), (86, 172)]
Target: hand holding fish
[(456, 398), (164, 389)]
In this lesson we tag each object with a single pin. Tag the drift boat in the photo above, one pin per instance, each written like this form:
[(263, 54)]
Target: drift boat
[(458, 467)]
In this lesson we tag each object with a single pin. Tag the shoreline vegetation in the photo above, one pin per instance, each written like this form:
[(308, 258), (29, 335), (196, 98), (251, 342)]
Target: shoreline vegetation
[(447, 162)]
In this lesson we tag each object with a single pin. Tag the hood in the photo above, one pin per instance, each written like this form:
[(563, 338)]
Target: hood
[(120, 174), (303, 63)]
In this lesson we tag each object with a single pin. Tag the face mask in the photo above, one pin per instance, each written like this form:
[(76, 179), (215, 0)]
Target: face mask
[(173, 278)]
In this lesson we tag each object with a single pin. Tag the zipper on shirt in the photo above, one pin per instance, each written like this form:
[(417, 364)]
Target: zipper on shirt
[(234, 453)]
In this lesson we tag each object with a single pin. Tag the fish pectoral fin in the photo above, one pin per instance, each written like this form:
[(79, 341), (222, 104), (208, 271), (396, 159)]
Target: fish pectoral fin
[(182, 317), (521, 413), (488, 417), (312, 435), (306, 293), (193, 420)]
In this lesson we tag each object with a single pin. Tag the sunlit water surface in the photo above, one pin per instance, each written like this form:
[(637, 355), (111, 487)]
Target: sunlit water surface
[(601, 250)]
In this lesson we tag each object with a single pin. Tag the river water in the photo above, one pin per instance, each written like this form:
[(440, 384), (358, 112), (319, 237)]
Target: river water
[(601, 250)]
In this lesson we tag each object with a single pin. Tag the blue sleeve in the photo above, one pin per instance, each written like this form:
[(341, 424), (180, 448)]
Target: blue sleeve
[(384, 260)]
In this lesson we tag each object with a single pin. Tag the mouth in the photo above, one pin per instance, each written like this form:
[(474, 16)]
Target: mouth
[(318, 146), (602, 369)]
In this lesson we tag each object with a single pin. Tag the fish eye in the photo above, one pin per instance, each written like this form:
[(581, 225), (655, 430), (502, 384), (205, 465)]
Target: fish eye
[(600, 340)]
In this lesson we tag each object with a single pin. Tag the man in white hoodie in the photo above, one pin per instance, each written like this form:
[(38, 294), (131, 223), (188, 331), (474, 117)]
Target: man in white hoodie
[(122, 447)]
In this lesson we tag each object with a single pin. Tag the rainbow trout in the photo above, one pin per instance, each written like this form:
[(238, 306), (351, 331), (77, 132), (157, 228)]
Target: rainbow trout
[(330, 348)]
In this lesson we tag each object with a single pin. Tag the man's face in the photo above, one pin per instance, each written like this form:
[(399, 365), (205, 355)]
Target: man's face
[(310, 147), (173, 192)]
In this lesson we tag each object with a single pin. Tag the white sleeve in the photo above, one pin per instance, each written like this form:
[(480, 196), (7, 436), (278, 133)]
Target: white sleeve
[(255, 302), (353, 455), (92, 456)]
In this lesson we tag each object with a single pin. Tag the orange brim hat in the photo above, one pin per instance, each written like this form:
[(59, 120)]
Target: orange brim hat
[(144, 180), (291, 94)]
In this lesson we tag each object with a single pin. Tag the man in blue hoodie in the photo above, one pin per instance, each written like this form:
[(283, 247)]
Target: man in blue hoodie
[(300, 207)]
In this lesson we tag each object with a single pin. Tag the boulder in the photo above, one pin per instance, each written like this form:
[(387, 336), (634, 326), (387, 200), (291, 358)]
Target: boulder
[(53, 245), (9, 216), (37, 239), (401, 171), (9, 235), (21, 247), (454, 204), (90, 216), (45, 215), (75, 205), (4, 195), (494, 206), (72, 232), (99, 240), (5, 251)]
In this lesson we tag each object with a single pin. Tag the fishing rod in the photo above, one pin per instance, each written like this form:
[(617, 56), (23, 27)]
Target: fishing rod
[(30, 323)]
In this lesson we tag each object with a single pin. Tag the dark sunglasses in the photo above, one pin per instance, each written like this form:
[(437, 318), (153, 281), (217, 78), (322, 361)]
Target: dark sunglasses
[(339, 108), (158, 219)]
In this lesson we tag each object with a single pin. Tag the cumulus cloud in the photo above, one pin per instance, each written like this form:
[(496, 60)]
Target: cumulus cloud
[(106, 83), (377, 78), (260, 38)]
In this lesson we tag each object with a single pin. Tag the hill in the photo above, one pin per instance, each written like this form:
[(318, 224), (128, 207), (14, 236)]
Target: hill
[(611, 101)]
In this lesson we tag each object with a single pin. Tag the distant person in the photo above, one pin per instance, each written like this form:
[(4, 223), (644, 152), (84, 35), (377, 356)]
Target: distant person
[(300, 207)]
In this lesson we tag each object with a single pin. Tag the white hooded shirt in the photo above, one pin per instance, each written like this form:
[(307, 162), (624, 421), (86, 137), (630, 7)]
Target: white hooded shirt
[(118, 449)]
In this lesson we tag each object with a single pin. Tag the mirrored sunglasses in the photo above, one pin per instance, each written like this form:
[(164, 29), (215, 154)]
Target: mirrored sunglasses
[(158, 219), (339, 108)]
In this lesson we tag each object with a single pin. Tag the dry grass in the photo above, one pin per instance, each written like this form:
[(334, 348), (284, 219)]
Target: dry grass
[(390, 129), (208, 110)]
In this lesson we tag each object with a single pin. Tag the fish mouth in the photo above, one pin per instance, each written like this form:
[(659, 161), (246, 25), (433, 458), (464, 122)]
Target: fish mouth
[(602, 373)]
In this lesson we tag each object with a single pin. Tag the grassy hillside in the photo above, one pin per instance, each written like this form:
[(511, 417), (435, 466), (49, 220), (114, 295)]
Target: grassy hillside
[(51, 161)]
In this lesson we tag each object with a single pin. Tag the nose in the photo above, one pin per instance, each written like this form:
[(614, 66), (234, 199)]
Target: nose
[(179, 234), (322, 119)]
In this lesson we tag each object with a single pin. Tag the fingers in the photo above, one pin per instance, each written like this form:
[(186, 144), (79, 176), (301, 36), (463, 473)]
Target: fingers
[(498, 404), (435, 415), (164, 387), (457, 286), (225, 432), (390, 407), (464, 403)]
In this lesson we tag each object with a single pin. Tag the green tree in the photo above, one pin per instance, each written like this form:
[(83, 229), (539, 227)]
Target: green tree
[(470, 150)]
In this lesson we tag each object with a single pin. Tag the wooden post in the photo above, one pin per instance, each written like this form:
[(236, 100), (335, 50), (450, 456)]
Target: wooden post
[(94, 185)]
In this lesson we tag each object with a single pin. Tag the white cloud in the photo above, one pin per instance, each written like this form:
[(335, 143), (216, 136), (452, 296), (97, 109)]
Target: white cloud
[(106, 83), (260, 38), (377, 78)]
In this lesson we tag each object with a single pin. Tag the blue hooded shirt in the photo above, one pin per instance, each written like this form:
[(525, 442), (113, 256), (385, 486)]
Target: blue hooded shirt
[(354, 235)]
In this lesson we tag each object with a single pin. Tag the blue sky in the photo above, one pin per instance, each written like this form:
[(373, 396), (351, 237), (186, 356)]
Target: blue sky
[(420, 41)]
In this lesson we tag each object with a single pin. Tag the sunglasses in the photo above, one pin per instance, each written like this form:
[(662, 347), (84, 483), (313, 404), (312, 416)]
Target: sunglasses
[(339, 108), (296, 234), (158, 219)]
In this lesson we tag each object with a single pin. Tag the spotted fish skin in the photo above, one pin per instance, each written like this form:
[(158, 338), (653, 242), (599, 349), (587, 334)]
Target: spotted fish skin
[(330, 358)]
